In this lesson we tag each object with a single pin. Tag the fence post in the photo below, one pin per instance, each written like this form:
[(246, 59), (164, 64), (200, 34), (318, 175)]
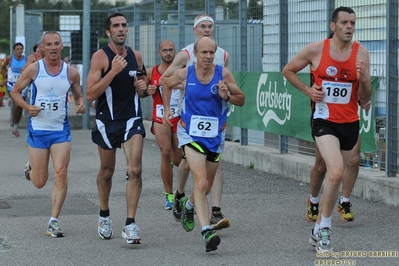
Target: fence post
[(391, 154), (243, 51)]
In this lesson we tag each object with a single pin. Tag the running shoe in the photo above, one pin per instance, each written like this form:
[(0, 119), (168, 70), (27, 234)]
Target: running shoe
[(168, 201), (313, 239), (345, 209), (187, 219), (15, 131), (127, 175), (211, 239), (131, 234), (27, 170), (104, 227), (176, 209), (54, 230), (313, 210), (323, 241), (218, 221)]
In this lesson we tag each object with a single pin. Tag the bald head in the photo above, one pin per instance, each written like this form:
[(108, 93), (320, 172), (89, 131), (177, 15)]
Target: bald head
[(205, 41)]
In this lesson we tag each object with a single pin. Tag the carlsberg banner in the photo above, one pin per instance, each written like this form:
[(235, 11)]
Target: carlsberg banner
[(273, 105)]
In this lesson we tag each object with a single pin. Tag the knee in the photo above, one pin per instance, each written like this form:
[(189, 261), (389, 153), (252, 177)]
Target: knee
[(354, 160), (135, 171), (320, 166), (106, 172), (202, 186), (38, 183), (335, 176)]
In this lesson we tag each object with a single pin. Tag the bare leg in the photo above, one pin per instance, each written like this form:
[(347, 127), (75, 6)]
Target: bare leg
[(134, 185), (217, 187), (60, 154), (104, 177), (351, 171)]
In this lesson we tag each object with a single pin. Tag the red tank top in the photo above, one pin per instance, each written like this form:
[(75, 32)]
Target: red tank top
[(339, 83), (157, 105)]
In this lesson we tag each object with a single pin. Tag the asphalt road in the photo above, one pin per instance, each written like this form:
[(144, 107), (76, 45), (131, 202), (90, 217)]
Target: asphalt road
[(266, 212)]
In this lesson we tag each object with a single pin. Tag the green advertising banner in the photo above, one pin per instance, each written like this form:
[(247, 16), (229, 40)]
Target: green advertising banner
[(273, 105)]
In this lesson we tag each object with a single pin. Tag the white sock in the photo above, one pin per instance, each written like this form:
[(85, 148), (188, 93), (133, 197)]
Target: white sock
[(316, 228), (314, 200), (189, 205), (52, 219), (325, 222), (343, 199), (205, 227)]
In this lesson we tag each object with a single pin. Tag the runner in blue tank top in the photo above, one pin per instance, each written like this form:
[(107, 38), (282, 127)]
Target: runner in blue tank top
[(207, 90)]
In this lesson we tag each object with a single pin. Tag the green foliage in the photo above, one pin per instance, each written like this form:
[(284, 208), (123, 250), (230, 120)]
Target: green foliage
[(251, 165), (4, 45)]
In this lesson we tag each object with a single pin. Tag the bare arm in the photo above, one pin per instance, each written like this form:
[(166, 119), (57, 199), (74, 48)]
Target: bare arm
[(177, 80), (76, 89), (363, 74), (237, 97), (149, 90), (95, 85), (4, 69), (23, 81), (307, 56), (180, 61), (31, 59)]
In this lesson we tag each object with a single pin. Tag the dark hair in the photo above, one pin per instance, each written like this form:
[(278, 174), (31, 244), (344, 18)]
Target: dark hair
[(334, 17), (17, 44), (35, 48), (114, 15)]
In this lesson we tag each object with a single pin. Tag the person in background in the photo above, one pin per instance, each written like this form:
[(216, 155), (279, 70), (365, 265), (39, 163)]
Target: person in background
[(11, 69)]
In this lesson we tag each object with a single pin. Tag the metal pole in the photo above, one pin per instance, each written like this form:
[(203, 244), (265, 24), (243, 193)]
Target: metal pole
[(86, 60), (244, 54)]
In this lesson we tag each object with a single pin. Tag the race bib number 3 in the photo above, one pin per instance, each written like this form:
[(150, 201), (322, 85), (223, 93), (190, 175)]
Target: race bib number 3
[(336, 92), (204, 126)]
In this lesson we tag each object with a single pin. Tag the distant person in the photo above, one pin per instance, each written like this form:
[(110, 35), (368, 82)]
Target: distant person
[(49, 133), (12, 68), (166, 137)]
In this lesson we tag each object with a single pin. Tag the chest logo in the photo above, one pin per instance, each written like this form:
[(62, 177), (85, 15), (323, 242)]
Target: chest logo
[(331, 71)]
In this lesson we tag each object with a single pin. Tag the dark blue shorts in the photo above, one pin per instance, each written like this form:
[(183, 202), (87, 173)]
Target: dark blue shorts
[(111, 134)]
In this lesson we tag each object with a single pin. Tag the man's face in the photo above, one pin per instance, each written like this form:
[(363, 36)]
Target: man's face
[(52, 45), (204, 28), (118, 30), (345, 26), (167, 52), (18, 51), (205, 53)]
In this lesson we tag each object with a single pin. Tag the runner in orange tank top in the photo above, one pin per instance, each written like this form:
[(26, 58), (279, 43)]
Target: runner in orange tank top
[(340, 76)]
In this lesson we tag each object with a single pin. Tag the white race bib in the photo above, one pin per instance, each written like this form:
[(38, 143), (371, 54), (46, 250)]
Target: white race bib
[(51, 106), (336, 92), (204, 126), (160, 110)]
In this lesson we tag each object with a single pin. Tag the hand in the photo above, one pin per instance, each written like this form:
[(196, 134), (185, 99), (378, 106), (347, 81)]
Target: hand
[(139, 84), (315, 93), (118, 64), (165, 119), (34, 110), (151, 89), (360, 70), (80, 109), (365, 106), (223, 89)]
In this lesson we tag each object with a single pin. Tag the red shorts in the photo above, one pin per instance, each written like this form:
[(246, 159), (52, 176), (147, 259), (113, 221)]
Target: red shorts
[(174, 122)]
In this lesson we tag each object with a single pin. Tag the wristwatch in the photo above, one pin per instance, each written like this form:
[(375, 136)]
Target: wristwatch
[(228, 96)]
